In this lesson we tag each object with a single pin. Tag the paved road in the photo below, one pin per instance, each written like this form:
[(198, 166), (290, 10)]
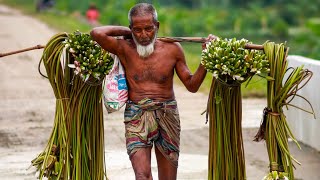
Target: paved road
[(27, 108)]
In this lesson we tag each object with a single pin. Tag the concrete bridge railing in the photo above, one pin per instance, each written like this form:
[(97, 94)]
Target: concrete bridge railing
[(303, 125)]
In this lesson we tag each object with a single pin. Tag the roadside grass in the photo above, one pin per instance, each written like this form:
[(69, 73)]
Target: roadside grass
[(62, 21)]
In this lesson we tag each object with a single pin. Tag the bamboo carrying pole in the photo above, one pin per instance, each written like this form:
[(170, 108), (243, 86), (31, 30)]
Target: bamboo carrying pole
[(22, 50), (202, 40), (165, 39)]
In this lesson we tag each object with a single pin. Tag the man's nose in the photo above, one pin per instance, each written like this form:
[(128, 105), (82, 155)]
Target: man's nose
[(144, 34)]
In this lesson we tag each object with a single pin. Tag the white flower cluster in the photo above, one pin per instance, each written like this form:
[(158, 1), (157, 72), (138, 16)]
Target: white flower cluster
[(228, 60), (90, 59)]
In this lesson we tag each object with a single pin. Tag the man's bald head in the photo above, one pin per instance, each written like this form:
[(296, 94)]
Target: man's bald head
[(142, 9)]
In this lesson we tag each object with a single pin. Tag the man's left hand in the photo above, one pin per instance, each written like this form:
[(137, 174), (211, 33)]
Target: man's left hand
[(208, 39)]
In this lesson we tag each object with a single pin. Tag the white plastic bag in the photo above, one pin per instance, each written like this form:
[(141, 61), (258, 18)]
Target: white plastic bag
[(115, 92)]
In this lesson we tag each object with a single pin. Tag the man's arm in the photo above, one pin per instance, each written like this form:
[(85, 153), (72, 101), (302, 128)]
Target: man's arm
[(191, 81), (105, 37)]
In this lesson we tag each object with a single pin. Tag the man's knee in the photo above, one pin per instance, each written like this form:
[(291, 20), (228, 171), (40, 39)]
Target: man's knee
[(141, 163), (143, 175)]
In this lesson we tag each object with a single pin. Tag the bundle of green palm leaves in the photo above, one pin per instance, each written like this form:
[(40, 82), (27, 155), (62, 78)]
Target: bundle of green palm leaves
[(281, 90), (231, 65), (75, 149)]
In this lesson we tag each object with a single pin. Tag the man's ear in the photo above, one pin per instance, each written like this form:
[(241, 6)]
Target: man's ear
[(158, 24)]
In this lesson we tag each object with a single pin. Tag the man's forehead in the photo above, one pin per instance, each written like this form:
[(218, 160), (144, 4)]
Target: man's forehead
[(142, 19)]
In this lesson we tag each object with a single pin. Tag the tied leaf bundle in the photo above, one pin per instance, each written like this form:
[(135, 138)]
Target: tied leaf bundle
[(75, 149), (280, 92), (87, 131), (52, 162), (231, 64), (90, 59)]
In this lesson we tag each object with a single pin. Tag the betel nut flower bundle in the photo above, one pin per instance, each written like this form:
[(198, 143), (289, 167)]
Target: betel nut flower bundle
[(231, 64), (90, 59), (228, 60), (75, 148)]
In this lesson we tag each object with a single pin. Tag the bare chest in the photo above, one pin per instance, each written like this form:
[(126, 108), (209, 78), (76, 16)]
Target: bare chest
[(157, 69)]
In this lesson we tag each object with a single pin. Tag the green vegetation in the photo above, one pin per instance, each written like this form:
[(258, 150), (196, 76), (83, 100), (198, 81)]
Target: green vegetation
[(60, 20), (293, 21)]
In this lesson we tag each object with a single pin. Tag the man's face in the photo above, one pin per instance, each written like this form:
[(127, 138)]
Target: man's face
[(144, 29)]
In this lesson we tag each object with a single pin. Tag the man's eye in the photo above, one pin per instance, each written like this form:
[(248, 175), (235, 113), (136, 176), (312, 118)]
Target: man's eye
[(136, 30), (149, 29)]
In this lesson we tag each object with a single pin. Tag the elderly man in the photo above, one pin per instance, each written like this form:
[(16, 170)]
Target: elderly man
[(151, 114)]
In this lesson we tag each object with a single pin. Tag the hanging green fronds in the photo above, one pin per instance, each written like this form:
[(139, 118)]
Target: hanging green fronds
[(52, 162), (75, 149), (226, 153), (274, 128), (231, 65), (87, 131)]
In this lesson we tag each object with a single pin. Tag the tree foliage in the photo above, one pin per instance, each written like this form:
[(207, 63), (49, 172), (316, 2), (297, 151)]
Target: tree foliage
[(292, 21)]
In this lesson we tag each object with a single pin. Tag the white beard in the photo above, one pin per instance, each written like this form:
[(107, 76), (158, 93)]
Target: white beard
[(145, 51)]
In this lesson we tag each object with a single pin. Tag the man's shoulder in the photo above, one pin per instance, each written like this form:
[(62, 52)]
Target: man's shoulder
[(169, 45), (126, 43)]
